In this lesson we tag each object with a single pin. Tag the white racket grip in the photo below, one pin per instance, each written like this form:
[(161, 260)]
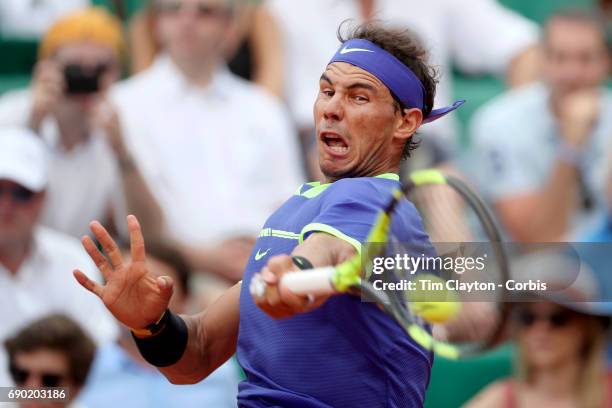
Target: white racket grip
[(315, 281)]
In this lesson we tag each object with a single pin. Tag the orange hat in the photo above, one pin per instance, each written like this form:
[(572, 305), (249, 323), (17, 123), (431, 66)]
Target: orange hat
[(91, 24)]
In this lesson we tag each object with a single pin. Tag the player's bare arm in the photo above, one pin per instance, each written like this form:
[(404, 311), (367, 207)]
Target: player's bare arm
[(211, 340)]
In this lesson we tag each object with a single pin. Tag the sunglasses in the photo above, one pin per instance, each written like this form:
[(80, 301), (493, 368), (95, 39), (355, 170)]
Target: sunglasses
[(20, 376), (555, 320), (19, 194), (201, 9)]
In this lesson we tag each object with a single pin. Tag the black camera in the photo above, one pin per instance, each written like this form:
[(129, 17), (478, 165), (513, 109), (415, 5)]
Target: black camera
[(82, 79)]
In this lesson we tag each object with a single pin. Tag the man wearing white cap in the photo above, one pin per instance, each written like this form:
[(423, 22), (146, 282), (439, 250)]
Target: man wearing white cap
[(35, 262)]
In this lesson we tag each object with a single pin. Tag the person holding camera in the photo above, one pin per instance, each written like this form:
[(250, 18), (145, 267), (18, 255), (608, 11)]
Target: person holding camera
[(92, 174)]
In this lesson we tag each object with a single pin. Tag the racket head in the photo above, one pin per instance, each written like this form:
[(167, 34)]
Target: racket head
[(444, 319)]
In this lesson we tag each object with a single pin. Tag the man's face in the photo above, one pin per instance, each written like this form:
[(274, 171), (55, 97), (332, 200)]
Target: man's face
[(356, 123), (42, 368), (91, 57), (576, 57), (19, 212), (192, 30)]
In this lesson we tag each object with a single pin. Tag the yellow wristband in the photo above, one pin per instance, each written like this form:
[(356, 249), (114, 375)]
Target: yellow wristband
[(152, 329)]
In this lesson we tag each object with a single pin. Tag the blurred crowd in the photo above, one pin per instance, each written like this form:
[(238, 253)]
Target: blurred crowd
[(196, 116)]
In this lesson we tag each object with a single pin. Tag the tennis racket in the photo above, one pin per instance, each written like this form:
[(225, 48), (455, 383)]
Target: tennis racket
[(441, 316)]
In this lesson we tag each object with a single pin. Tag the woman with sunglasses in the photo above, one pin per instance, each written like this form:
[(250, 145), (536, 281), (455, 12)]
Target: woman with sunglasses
[(560, 353)]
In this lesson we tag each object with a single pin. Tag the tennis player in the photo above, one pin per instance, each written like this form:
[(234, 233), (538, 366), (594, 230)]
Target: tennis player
[(305, 351)]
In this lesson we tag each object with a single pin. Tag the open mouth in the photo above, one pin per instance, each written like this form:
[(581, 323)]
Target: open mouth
[(335, 143)]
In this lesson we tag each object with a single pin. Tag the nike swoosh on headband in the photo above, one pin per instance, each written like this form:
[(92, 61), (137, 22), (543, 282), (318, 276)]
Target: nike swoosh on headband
[(346, 50)]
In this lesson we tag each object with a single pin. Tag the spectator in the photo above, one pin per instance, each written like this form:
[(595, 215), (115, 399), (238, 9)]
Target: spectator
[(602, 232), (92, 176), (119, 368), (480, 36), (540, 151), (31, 19), (51, 352), (182, 113), (253, 46), (560, 334), (560, 361), (36, 262)]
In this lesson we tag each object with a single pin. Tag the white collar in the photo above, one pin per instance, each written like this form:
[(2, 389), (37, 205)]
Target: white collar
[(170, 79)]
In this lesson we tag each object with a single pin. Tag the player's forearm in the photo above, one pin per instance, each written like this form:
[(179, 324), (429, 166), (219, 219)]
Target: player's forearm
[(193, 365), (212, 337)]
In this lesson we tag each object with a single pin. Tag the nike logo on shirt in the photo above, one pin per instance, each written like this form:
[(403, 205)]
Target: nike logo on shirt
[(259, 255)]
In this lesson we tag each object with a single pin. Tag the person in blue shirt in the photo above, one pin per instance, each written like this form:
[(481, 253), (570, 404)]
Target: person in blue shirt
[(305, 351)]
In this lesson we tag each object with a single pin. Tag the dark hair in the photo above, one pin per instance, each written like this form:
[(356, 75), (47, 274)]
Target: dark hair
[(404, 45), (58, 333)]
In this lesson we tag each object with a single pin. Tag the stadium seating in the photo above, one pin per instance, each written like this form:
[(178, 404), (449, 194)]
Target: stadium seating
[(455, 382)]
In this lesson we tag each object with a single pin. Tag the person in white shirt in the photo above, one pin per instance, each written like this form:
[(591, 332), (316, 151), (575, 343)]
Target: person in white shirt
[(541, 152), (36, 262), (92, 175), (476, 35), (218, 152)]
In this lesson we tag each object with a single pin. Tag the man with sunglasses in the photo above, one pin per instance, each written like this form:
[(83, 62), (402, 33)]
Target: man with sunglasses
[(51, 352), (91, 171), (218, 152), (34, 260)]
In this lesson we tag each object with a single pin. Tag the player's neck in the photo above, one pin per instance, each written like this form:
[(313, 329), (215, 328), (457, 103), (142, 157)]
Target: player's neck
[(365, 173)]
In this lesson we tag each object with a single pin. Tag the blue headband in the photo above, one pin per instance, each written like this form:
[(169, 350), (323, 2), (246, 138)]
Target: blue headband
[(402, 82)]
